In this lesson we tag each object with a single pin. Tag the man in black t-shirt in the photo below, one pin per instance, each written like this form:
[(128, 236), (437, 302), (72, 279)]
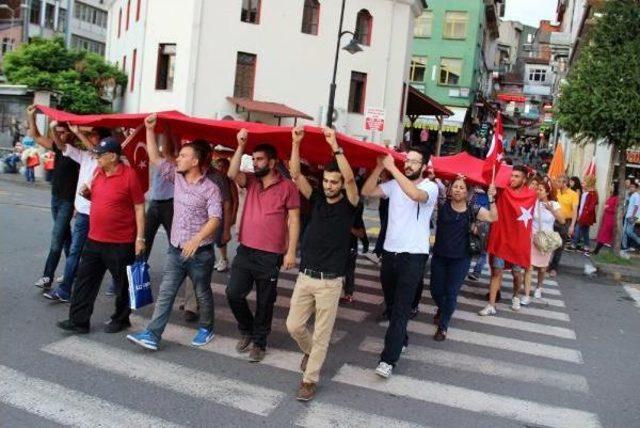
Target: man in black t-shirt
[(63, 191), (324, 251)]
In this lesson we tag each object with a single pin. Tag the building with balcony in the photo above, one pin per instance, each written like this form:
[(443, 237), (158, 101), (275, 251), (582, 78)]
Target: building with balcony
[(453, 59), (83, 24), (267, 61)]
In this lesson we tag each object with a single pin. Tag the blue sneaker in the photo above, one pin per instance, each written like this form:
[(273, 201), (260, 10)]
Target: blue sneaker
[(203, 336), (57, 296), (144, 339)]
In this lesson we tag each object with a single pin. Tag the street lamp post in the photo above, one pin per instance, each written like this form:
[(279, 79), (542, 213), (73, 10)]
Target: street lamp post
[(353, 47)]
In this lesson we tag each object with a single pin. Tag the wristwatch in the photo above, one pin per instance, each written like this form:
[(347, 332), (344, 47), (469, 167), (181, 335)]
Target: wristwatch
[(141, 239), (338, 151)]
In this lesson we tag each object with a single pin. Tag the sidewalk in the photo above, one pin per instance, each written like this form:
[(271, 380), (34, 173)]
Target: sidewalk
[(21, 181), (573, 263)]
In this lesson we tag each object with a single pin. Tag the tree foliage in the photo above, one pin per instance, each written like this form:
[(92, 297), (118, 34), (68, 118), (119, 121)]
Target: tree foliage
[(601, 97), (79, 77)]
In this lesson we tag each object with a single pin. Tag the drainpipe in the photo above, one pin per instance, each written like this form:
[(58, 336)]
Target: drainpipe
[(67, 30)]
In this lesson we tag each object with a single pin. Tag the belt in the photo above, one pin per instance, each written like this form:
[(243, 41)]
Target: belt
[(319, 275), (162, 201)]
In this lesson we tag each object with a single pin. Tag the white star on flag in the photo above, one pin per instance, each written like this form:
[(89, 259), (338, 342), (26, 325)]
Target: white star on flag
[(526, 216), (142, 164)]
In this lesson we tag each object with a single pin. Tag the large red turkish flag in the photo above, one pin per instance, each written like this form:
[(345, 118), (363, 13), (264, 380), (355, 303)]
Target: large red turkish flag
[(493, 161), (135, 151), (510, 237)]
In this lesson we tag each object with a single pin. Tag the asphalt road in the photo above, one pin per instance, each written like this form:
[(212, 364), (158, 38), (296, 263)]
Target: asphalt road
[(570, 360)]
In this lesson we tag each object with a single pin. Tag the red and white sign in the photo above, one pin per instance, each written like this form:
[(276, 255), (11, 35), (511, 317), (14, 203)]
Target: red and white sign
[(373, 119)]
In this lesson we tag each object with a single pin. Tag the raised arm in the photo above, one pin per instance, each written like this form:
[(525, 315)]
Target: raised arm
[(407, 186), (297, 134), (343, 165), (152, 144), (489, 215), (370, 187), (33, 131), (234, 166), (80, 135)]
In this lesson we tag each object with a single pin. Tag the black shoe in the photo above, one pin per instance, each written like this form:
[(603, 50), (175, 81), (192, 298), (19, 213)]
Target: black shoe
[(68, 325), (116, 326), (440, 335)]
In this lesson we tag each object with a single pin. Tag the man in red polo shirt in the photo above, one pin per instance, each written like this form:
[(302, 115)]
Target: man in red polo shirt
[(116, 236), (268, 230)]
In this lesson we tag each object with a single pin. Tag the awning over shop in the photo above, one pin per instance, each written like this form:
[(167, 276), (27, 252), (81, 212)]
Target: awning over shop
[(419, 104), (276, 109), (452, 123)]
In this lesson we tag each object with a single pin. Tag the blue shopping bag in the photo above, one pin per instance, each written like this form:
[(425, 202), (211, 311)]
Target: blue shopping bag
[(139, 284)]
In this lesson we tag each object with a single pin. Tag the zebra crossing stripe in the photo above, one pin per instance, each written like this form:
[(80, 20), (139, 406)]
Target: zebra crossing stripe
[(223, 345), (499, 342), (349, 314), (526, 310), (66, 406), (525, 411), (507, 295), (320, 415), (485, 366), (510, 323), (143, 367)]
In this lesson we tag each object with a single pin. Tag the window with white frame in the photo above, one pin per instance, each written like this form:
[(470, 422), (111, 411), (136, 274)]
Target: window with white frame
[(423, 24), (418, 68), (455, 25), (537, 75)]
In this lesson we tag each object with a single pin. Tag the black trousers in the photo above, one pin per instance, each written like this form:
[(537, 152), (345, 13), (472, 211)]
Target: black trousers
[(96, 259), (158, 213), (563, 230), (400, 274), (350, 274), (251, 266)]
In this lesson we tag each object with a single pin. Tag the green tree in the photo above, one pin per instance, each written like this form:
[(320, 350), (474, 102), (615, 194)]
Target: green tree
[(80, 78), (601, 97)]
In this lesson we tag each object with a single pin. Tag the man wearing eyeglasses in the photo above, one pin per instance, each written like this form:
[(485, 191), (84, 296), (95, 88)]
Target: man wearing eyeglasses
[(406, 246)]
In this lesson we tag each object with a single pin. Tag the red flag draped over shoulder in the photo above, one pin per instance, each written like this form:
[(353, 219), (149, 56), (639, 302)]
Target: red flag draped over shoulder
[(510, 237), (493, 161)]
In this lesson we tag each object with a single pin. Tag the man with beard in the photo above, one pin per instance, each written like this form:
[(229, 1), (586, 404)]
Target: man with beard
[(406, 245), (197, 210), (268, 230), (325, 249)]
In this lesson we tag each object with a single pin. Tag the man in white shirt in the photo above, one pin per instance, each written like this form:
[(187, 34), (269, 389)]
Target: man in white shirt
[(406, 246), (81, 204), (631, 217)]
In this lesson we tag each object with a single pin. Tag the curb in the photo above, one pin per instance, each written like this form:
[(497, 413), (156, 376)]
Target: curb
[(19, 180), (618, 273)]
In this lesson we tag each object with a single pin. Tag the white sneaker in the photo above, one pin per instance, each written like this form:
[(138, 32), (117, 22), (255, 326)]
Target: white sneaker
[(524, 301), (222, 265), (537, 293), (515, 304), (488, 310), (44, 282), (384, 370)]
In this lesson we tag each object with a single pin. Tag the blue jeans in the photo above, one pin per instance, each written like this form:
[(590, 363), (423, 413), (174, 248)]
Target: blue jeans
[(78, 238), (400, 275), (447, 275), (629, 233), (480, 262), (581, 234), (62, 212), (199, 269), (30, 175)]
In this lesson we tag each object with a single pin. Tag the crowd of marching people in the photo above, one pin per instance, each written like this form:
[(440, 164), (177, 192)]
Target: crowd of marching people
[(288, 211)]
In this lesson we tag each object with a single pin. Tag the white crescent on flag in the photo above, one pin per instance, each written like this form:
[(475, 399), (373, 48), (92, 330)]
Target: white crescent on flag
[(143, 163)]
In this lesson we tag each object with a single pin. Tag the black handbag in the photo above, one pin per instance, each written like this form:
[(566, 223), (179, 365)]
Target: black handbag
[(474, 245)]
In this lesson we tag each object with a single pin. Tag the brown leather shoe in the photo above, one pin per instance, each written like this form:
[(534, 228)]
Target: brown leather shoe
[(306, 392), (440, 335), (257, 354), (243, 344), (303, 363)]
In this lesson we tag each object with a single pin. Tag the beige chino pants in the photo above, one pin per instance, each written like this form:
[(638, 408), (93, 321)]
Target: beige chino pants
[(319, 296)]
